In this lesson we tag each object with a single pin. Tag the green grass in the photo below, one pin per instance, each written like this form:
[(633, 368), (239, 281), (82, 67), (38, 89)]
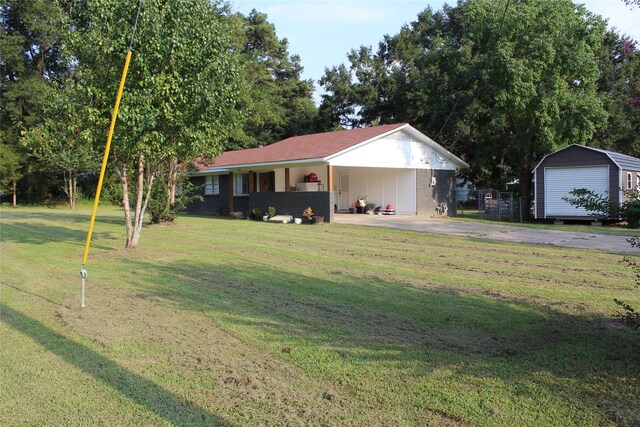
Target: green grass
[(471, 215), (227, 322)]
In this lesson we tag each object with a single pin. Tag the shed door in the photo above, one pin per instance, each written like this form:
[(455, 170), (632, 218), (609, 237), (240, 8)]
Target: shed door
[(558, 182)]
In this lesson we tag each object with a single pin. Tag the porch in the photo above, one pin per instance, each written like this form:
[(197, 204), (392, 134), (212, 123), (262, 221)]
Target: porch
[(293, 203)]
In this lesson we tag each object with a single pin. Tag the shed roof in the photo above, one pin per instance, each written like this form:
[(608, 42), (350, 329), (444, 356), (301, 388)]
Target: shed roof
[(623, 161)]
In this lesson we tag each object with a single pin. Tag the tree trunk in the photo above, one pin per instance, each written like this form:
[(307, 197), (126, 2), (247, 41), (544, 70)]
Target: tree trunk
[(172, 181), (14, 185), (70, 185), (75, 191), (122, 172), (70, 188), (143, 193)]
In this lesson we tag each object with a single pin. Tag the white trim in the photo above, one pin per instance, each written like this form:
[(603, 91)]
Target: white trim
[(208, 172), (227, 169), (535, 197), (620, 190)]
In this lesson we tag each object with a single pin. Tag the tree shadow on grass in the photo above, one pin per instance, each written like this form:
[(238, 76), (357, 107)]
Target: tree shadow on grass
[(165, 404), (368, 319), (40, 234), (82, 216)]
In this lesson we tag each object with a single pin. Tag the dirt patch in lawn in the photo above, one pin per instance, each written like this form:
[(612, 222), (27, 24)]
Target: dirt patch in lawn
[(190, 355)]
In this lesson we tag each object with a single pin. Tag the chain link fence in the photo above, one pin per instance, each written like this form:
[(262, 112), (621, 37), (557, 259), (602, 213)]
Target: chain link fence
[(497, 205)]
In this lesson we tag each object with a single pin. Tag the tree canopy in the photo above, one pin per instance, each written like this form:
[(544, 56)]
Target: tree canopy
[(179, 98), (500, 83), (275, 101)]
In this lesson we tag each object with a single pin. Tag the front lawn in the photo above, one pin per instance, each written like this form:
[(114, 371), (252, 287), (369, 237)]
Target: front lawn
[(620, 228), (228, 322)]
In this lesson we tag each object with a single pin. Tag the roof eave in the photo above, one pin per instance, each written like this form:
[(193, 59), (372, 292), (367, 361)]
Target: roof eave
[(283, 163)]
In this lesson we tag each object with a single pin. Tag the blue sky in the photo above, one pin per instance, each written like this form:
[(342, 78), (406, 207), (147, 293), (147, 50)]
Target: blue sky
[(322, 32)]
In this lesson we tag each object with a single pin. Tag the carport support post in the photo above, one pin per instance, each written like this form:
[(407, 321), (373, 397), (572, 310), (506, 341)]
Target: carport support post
[(287, 180), (329, 178), (230, 192)]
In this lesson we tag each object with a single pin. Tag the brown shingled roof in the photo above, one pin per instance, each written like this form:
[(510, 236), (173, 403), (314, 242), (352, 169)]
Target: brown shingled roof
[(305, 147)]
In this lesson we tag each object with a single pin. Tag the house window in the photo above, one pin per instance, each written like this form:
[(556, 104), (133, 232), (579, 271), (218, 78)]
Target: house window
[(629, 181), (212, 185), (241, 184), (638, 181)]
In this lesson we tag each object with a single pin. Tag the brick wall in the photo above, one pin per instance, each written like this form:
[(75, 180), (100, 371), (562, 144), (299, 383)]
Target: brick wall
[(430, 196), (293, 203)]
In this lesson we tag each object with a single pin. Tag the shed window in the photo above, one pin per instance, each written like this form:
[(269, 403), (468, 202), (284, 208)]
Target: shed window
[(212, 185), (629, 181), (241, 184)]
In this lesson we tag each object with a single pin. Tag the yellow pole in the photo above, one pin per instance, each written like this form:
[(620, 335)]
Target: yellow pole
[(83, 272)]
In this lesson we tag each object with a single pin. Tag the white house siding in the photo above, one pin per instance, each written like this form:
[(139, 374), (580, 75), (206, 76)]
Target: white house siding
[(382, 186), (398, 150)]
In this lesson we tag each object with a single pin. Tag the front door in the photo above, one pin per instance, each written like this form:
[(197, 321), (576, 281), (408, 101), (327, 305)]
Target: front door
[(264, 180), (344, 201)]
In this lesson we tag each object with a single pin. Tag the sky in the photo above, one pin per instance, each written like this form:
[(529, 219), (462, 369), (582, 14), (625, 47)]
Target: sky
[(322, 32)]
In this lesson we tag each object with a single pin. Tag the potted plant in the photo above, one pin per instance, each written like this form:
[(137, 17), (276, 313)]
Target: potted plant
[(308, 214), (311, 217), (272, 211), (255, 214)]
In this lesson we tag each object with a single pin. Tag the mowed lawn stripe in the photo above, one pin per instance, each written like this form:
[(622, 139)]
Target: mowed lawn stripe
[(248, 323)]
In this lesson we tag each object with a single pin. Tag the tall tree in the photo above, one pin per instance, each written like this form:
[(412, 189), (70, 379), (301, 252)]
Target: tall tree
[(619, 89), (180, 93), (63, 142), (276, 102), (499, 83), (31, 65), (10, 173)]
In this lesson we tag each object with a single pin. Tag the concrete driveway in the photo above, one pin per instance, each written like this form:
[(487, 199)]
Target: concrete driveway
[(556, 237)]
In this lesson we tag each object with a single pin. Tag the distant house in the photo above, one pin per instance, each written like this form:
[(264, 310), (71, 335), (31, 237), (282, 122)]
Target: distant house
[(604, 172), (387, 165)]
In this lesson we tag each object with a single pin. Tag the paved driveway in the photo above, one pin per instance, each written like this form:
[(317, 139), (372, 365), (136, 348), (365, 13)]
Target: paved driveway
[(543, 236)]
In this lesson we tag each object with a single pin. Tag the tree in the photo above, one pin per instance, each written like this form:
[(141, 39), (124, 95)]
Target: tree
[(179, 97), (275, 101), (10, 164), (32, 63), (499, 83), (619, 90), (63, 142)]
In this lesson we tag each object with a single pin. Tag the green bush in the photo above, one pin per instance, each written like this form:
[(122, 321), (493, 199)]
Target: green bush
[(599, 205), (159, 207)]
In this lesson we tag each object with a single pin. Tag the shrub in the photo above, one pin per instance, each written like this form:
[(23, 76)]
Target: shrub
[(628, 313), (597, 204), (159, 207)]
